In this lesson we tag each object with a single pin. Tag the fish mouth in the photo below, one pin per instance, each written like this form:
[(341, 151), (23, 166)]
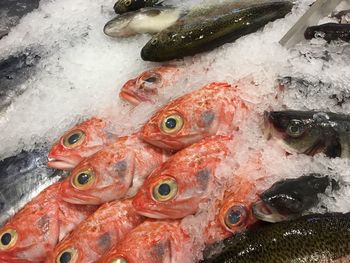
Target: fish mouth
[(130, 97), (153, 214), (267, 213), (62, 163), (80, 199)]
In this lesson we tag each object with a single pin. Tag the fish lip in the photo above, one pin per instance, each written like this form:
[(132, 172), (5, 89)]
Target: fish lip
[(130, 97), (121, 29), (267, 213), (61, 162), (153, 214)]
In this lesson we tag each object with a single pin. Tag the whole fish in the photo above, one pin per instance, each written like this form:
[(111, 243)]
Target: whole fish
[(210, 27), (313, 239), (123, 6), (31, 235), (21, 177), (79, 142), (15, 69), (289, 198), (329, 32), (100, 232), (149, 84), (176, 188), (115, 172), (214, 109), (152, 242), (310, 132), (147, 20), (12, 11)]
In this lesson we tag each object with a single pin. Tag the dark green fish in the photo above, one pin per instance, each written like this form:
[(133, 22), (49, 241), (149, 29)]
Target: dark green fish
[(310, 239), (123, 6), (289, 198), (310, 132), (207, 28), (329, 32)]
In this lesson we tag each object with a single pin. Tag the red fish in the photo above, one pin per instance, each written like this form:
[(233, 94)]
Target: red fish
[(115, 172), (215, 109), (79, 142), (31, 235), (176, 188), (152, 241), (98, 233), (149, 83)]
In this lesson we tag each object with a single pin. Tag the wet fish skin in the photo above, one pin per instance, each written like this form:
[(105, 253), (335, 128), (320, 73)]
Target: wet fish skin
[(212, 27), (329, 32), (22, 175), (289, 198), (15, 69), (215, 109), (310, 132), (124, 6), (313, 239), (100, 232)]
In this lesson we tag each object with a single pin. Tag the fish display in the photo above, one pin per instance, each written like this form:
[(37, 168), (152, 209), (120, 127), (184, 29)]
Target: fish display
[(150, 84), (21, 176), (210, 27), (312, 238), (12, 11), (92, 238), (124, 6), (175, 189), (152, 241), (79, 142), (147, 20), (289, 198), (215, 109), (15, 69), (310, 132), (329, 32), (115, 172), (31, 235)]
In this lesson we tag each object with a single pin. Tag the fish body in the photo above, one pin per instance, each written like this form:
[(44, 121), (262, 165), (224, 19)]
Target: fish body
[(79, 142), (100, 232), (210, 27), (124, 6), (149, 84), (289, 198), (310, 132), (31, 235), (329, 32), (152, 242), (15, 69), (147, 20), (215, 109), (115, 172), (313, 238), (21, 176), (175, 189)]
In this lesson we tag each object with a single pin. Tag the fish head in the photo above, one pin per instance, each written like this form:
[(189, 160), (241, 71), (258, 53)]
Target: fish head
[(124, 6), (119, 26), (187, 120), (103, 177), (151, 242), (297, 131), (79, 142), (176, 188), (147, 85), (33, 232)]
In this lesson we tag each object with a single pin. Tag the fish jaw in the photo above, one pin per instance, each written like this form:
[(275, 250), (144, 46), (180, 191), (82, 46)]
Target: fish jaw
[(267, 213), (63, 162), (127, 93)]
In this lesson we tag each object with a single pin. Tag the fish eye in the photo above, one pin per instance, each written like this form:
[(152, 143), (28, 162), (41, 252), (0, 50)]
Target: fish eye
[(67, 256), (83, 179), (165, 190), (154, 41), (171, 124), (150, 79), (295, 128), (8, 239), (127, 2), (74, 139), (235, 216), (118, 260)]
